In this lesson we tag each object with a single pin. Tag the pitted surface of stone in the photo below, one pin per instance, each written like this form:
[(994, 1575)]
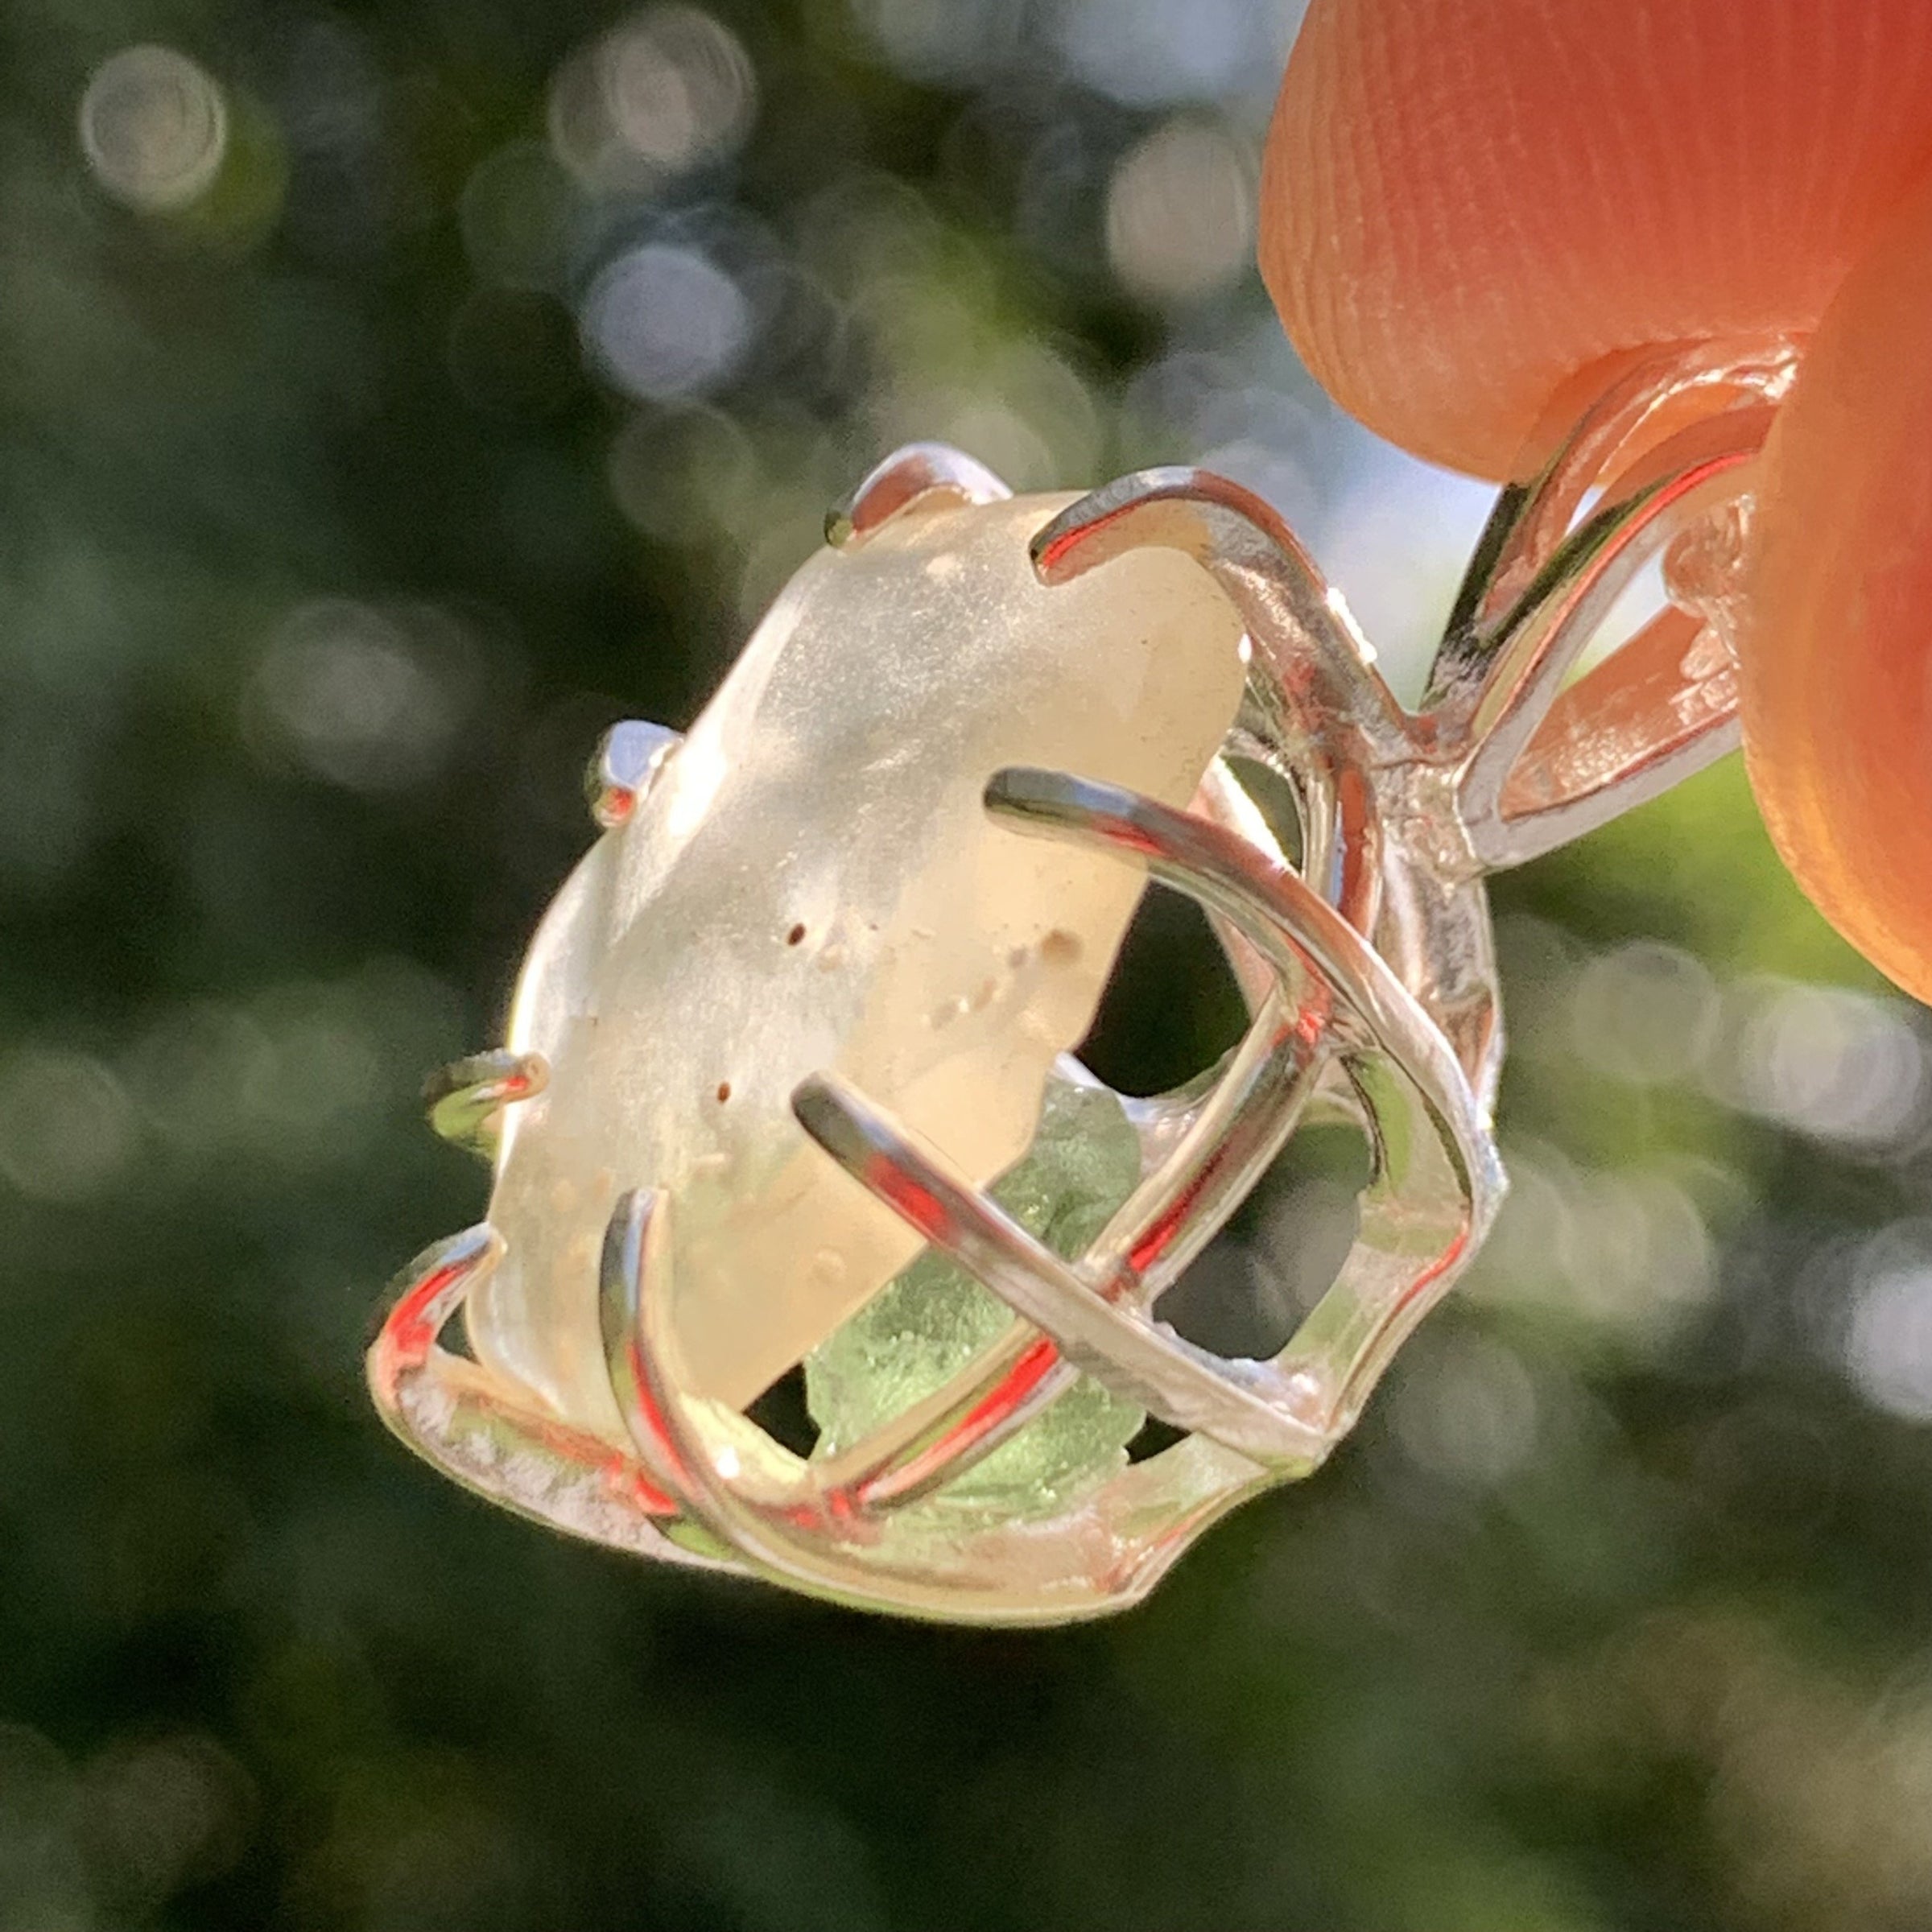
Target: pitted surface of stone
[(812, 883)]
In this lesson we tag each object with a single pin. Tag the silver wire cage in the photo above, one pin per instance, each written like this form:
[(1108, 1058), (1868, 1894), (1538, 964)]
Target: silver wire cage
[(1368, 969)]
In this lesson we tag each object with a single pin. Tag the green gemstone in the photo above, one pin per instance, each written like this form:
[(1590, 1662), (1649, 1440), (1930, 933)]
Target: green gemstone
[(932, 1317)]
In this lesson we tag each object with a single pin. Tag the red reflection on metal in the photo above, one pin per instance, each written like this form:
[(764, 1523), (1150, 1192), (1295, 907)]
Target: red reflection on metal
[(650, 1414), (411, 1330), (999, 1402), (919, 1205)]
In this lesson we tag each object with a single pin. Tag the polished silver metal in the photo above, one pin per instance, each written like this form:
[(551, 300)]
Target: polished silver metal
[(466, 1099), (1543, 760), (501, 1447), (628, 758), (918, 471), (1368, 967)]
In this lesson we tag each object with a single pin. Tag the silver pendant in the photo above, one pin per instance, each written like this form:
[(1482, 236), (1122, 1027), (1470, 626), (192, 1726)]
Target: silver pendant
[(976, 1384)]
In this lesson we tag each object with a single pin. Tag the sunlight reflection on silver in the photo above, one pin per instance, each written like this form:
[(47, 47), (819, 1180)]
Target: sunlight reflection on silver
[(628, 760), (905, 478), (488, 1439), (464, 1098)]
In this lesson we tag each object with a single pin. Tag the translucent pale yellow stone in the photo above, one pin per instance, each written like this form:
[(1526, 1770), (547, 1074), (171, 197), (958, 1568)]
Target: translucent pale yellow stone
[(812, 882)]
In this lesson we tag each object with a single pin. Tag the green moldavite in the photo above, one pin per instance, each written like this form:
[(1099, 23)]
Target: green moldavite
[(932, 1317)]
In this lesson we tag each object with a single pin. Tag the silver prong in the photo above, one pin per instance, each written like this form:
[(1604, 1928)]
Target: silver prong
[(917, 471), (1311, 945), (780, 1519), (1539, 504), (463, 1100), (1252, 1413), (629, 756), (935, 1441), (1318, 704), (1270, 905), (1235, 1131), (496, 1437), (1546, 758), (621, 1268), (1623, 733), (1239, 538), (423, 1298), (1157, 506), (633, 1226)]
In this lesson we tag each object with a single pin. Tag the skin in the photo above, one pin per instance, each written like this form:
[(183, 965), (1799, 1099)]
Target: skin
[(1474, 210)]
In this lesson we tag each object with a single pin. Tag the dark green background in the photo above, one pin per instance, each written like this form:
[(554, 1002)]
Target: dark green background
[(1615, 1615)]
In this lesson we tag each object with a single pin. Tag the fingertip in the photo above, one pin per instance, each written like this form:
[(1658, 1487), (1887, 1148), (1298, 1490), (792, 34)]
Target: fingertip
[(1464, 207), (1836, 658)]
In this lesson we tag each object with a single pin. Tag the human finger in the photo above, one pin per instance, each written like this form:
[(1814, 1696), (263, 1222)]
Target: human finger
[(1467, 208), (1836, 655)]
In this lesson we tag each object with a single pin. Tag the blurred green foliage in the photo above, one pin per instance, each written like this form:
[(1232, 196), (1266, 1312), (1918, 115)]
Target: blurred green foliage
[(390, 397)]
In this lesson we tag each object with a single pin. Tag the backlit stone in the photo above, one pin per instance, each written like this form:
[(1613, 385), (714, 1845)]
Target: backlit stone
[(812, 883)]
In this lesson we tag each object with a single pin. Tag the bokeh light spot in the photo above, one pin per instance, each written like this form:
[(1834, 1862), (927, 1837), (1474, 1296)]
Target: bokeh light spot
[(1468, 1413), (153, 126), (1144, 53), (666, 321), (948, 42), (517, 211), (1181, 212), (1888, 1343), (67, 1130), (347, 690), (1644, 1013), (681, 476), (664, 93), (1842, 1066), (1625, 1254)]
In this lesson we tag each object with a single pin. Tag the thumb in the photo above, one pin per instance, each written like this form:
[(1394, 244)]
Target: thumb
[(1836, 655)]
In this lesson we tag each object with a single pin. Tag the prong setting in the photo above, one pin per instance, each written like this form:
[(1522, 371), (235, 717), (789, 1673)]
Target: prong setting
[(910, 476), (499, 1443), (465, 1100), (1368, 971), (628, 758)]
